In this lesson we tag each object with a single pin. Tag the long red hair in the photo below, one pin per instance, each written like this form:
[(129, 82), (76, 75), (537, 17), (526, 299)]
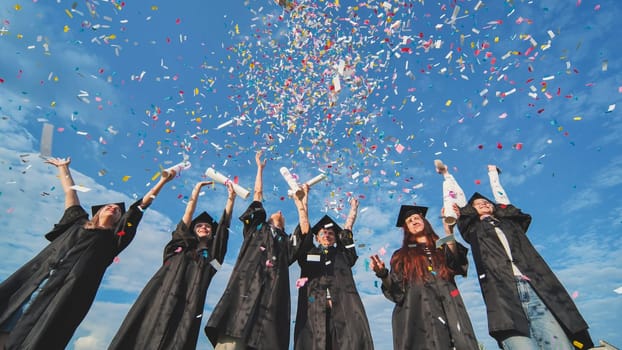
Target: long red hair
[(412, 262)]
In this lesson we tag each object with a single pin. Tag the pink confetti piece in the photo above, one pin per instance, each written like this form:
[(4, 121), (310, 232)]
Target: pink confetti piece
[(454, 293), (301, 282), (116, 260), (399, 148), (382, 251), (178, 250), (575, 294), (269, 263)]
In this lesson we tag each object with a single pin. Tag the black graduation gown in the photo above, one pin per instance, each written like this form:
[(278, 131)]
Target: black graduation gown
[(497, 281), (74, 264), (427, 315), (330, 269), (169, 310), (255, 306)]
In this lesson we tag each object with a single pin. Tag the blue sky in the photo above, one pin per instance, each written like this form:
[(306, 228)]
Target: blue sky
[(369, 93)]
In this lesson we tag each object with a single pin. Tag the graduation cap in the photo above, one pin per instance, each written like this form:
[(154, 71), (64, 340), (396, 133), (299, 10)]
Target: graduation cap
[(478, 195), (408, 210), (95, 208), (204, 217), (326, 222)]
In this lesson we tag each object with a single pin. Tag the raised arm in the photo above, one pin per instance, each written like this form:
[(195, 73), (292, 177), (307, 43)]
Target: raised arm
[(258, 190), (449, 228), (354, 206), (497, 190), (71, 196), (192, 202), (301, 199), (165, 177)]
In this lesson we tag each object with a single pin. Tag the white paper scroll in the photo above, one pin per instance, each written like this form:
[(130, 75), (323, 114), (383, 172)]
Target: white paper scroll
[(294, 187), (222, 179), (179, 167)]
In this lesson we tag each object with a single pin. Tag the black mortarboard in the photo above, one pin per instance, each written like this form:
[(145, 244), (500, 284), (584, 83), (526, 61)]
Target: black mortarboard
[(204, 217), (95, 208), (408, 210), (478, 195), (326, 222)]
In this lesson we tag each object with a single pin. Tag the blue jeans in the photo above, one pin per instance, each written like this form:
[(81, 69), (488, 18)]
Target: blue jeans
[(545, 333)]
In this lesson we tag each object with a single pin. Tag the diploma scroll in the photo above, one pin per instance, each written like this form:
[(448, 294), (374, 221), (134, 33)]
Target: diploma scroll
[(179, 167), (293, 185), (220, 178)]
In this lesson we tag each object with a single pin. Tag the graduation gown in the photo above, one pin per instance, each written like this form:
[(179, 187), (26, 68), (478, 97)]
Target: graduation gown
[(169, 310), (429, 314), (497, 281), (73, 264), (255, 305), (330, 269)]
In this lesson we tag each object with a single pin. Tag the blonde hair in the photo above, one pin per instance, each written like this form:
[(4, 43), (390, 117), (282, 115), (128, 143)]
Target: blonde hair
[(94, 222)]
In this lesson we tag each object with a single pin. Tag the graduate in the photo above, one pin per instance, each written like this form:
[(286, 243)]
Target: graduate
[(43, 302), (169, 310), (330, 313), (429, 312), (527, 306), (254, 311)]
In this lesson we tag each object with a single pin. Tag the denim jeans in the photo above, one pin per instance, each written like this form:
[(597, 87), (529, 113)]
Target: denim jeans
[(545, 333)]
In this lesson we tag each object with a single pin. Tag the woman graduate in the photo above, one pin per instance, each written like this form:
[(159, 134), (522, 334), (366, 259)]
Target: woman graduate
[(43, 302), (527, 306), (429, 312), (168, 312), (330, 313), (254, 310)]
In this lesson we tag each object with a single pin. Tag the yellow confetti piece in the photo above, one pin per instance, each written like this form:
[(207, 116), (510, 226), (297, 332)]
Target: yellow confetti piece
[(112, 36), (154, 8), (66, 28), (17, 7), (125, 178), (448, 103), (155, 176), (577, 118), (578, 344), (53, 104), (237, 29), (496, 40), (68, 13), (196, 91), (20, 36)]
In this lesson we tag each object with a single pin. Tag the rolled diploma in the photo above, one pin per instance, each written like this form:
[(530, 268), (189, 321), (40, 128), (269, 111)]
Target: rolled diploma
[(311, 182), (178, 167), (291, 182), (220, 178)]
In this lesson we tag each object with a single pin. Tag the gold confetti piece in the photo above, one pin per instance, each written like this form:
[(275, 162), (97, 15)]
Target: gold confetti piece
[(125, 178), (69, 13), (17, 7), (155, 176)]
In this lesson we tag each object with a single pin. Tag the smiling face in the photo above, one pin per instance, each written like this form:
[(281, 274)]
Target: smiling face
[(483, 207), (110, 212), (202, 229), (326, 237)]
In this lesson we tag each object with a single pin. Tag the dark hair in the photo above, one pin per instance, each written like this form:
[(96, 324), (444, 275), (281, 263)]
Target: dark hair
[(412, 262)]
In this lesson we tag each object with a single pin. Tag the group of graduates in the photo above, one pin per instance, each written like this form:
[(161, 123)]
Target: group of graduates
[(43, 302)]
